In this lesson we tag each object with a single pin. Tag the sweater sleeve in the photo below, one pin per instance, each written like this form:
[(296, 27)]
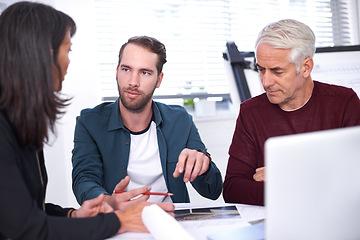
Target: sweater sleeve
[(352, 110), (239, 185)]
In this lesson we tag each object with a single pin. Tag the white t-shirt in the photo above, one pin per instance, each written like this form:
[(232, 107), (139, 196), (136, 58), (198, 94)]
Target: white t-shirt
[(144, 168)]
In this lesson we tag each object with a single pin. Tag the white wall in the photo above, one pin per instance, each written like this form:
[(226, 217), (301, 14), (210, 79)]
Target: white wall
[(81, 84), (216, 133)]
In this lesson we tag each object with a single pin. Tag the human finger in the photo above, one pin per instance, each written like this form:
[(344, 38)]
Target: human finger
[(106, 208), (167, 207), (205, 165), (135, 201), (181, 163), (197, 167), (189, 166), (131, 198), (121, 186), (137, 191), (92, 207), (91, 203)]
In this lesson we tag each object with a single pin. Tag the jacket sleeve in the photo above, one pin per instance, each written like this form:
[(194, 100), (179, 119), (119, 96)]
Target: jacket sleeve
[(209, 184), (21, 217), (87, 173), (56, 210)]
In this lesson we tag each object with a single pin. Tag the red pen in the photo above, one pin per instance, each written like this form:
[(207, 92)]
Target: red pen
[(149, 193)]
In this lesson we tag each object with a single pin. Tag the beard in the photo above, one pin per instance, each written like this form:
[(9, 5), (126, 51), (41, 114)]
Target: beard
[(137, 105)]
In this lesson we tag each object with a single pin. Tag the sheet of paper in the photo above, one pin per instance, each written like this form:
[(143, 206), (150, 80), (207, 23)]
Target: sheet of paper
[(247, 212), (201, 229), (251, 213)]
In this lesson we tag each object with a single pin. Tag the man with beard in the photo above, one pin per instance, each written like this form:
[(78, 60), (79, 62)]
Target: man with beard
[(136, 144)]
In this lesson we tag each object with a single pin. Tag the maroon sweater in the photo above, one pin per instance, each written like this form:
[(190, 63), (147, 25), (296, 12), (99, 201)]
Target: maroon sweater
[(329, 107)]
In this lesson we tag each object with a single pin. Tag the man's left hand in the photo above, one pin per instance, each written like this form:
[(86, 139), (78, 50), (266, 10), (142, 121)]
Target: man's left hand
[(259, 175), (194, 163)]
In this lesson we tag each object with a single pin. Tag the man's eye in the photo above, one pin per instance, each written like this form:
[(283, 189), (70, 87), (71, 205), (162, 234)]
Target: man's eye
[(146, 73)]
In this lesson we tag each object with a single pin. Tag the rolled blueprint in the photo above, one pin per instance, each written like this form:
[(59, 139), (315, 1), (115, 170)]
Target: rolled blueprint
[(162, 226)]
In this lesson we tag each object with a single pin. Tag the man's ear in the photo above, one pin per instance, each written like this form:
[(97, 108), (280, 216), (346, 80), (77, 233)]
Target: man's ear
[(307, 67), (160, 78)]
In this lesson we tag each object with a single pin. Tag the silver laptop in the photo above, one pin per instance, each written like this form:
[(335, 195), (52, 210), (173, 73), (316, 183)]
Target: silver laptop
[(312, 188)]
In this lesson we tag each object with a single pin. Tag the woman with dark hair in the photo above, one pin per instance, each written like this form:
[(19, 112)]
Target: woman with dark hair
[(35, 40)]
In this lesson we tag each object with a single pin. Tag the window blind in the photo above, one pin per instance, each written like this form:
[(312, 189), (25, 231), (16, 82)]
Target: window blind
[(195, 33)]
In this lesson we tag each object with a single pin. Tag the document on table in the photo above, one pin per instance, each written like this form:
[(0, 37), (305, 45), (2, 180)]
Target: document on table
[(200, 229), (205, 213), (220, 221)]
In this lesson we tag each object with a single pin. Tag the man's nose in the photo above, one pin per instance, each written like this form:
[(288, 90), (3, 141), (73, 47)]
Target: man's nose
[(267, 80), (134, 80)]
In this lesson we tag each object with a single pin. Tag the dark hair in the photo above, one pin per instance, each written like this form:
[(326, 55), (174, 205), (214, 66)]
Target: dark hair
[(150, 43), (30, 37)]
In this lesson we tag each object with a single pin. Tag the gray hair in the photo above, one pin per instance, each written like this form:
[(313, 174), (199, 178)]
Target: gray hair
[(290, 34)]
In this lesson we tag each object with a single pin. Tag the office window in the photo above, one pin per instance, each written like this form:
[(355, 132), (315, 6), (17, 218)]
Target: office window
[(195, 33)]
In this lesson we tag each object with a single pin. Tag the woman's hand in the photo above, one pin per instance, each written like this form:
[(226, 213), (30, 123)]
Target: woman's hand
[(93, 207)]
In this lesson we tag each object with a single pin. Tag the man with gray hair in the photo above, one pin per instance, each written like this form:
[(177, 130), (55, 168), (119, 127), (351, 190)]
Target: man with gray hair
[(292, 103)]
